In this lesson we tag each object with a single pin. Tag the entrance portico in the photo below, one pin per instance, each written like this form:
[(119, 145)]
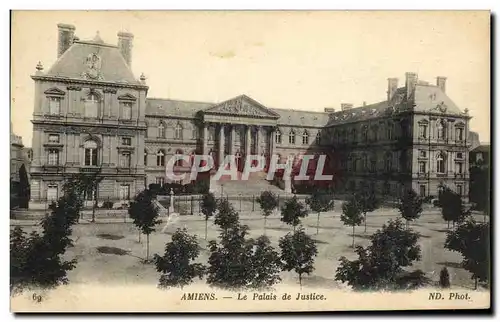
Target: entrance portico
[(242, 127)]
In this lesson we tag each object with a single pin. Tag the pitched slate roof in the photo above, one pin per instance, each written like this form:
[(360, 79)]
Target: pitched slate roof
[(72, 64), (428, 97), (168, 107), (301, 118)]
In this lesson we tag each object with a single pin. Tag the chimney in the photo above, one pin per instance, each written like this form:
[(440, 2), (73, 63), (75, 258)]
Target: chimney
[(441, 83), (392, 86), (364, 103), (411, 81), (65, 37), (329, 110), (345, 106), (125, 45)]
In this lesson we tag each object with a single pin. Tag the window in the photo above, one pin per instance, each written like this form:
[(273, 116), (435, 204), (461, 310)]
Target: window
[(459, 167), (373, 165), (422, 167), (160, 158), (277, 137), (422, 190), (375, 133), (178, 161), (54, 105), (53, 157), (194, 132), (90, 153), (440, 163), (178, 132), (291, 137), (389, 131), (125, 160), (90, 193), (145, 157), (318, 138), (52, 192), (459, 134), (422, 154), (441, 130), (305, 138), (459, 189), (124, 192), (91, 105), (365, 134), (127, 110), (353, 136), (126, 141), (53, 138), (388, 162), (460, 155), (365, 162), (422, 131), (160, 181), (161, 130)]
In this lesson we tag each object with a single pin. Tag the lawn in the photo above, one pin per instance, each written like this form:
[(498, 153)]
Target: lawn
[(111, 252)]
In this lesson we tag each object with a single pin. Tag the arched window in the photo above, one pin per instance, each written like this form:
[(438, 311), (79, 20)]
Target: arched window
[(145, 157), (178, 132), (91, 105), (178, 154), (160, 158), (90, 147), (278, 137), (441, 129), (305, 137), (291, 137), (161, 130), (440, 163)]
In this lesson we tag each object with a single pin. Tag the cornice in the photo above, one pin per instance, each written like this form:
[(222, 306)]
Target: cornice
[(88, 82)]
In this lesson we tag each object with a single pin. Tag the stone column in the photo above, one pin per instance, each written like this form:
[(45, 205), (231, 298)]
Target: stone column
[(232, 140), (248, 141), (221, 144), (205, 139), (258, 139), (272, 142)]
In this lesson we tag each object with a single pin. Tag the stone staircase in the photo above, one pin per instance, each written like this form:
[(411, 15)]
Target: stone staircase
[(255, 185)]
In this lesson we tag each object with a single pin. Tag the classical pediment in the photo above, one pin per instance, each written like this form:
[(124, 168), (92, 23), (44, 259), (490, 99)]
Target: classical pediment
[(54, 91), (242, 106)]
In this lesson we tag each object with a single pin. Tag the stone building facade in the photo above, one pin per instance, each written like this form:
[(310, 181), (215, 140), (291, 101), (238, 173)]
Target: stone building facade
[(18, 156), (92, 114)]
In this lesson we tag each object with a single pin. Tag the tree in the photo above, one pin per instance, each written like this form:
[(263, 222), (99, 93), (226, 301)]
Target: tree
[(444, 278), (452, 207), (208, 208), (175, 265), (367, 202), (230, 260), (297, 253), (471, 239), (292, 211), (320, 200), (226, 216), (351, 215), (265, 264), (380, 265), (23, 188), (144, 213), (410, 206), (268, 201), (37, 259)]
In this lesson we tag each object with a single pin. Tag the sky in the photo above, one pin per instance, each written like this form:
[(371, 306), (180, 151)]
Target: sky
[(305, 60)]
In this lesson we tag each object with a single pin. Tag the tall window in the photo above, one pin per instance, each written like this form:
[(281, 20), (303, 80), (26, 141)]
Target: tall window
[(441, 130), (52, 192), (160, 158), (178, 132), (278, 137), (422, 131), (305, 138), (389, 131), (365, 133), (388, 162), (53, 157), (160, 181), (124, 192), (91, 105), (145, 157), (422, 167), (422, 190), (459, 189), (291, 137), (194, 132), (459, 134), (90, 153), (54, 105), (127, 110), (365, 162), (125, 160), (161, 130), (318, 138), (440, 166)]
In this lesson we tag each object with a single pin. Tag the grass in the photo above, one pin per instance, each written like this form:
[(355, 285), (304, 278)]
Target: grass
[(110, 253)]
